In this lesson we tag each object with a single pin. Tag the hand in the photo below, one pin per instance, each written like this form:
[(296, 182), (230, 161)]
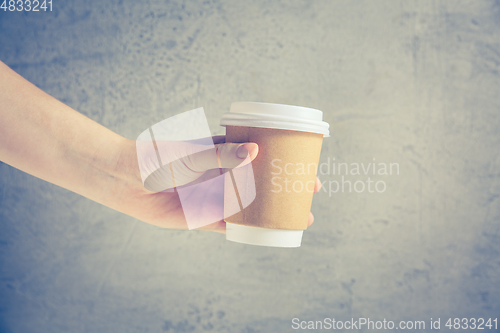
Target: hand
[(164, 209), (49, 140)]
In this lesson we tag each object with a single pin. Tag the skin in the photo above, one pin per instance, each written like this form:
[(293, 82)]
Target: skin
[(49, 140)]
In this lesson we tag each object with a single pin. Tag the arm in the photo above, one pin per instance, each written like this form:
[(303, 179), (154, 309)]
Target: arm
[(51, 141)]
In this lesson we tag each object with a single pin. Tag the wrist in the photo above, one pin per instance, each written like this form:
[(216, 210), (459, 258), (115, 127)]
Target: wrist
[(127, 166), (127, 194), (111, 173)]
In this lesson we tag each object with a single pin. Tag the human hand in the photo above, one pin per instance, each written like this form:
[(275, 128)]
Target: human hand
[(163, 208), (49, 140)]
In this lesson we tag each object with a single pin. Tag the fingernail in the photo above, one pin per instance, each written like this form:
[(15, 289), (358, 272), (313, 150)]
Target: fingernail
[(247, 148), (242, 152)]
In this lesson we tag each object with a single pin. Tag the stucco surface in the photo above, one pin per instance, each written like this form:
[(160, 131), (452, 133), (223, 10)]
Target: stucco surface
[(411, 83)]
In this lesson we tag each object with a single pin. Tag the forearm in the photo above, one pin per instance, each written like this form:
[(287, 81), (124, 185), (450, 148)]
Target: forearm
[(51, 141)]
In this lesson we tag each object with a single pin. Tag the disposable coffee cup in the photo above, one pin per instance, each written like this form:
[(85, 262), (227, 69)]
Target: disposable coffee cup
[(289, 139)]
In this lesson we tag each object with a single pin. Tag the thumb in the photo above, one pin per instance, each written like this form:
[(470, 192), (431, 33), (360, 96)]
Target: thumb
[(229, 155)]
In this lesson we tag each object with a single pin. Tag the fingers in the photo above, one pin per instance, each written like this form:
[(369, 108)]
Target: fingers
[(219, 226), (219, 139), (311, 219), (317, 185), (229, 155)]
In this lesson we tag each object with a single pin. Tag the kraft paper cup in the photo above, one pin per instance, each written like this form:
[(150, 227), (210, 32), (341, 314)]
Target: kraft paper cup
[(289, 139)]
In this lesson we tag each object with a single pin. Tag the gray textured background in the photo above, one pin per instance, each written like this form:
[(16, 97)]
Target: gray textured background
[(414, 83)]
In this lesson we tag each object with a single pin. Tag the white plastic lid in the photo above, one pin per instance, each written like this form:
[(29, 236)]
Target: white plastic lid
[(279, 116), (263, 236)]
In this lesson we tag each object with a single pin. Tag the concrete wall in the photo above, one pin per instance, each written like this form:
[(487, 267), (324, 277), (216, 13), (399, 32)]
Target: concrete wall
[(412, 83)]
